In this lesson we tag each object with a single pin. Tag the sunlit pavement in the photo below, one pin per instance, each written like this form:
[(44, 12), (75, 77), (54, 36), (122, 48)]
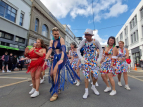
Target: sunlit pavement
[(14, 88)]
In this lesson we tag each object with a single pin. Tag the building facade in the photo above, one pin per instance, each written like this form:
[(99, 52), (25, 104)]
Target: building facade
[(42, 22), (132, 35), (70, 37), (14, 25)]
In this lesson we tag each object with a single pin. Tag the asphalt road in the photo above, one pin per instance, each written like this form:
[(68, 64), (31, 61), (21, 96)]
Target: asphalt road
[(14, 88)]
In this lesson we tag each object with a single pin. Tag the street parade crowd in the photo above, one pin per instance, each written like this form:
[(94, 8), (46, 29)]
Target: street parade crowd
[(88, 57)]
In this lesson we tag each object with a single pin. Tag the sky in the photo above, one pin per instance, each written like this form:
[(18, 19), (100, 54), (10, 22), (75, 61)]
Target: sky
[(105, 16)]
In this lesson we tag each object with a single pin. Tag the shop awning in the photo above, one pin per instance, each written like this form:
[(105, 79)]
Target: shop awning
[(7, 47), (30, 47)]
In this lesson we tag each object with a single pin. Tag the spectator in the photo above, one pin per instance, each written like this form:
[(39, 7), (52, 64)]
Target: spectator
[(5, 59), (14, 62), (20, 64), (10, 63)]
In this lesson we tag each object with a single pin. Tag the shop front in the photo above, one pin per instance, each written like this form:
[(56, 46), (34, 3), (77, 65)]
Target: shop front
[(136, 56)]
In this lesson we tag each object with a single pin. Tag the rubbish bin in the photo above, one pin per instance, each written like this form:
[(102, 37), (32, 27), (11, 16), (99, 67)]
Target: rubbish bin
[(141, 62)]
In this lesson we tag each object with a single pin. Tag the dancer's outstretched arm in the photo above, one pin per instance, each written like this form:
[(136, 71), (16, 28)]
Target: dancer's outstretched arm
[(49, 50)]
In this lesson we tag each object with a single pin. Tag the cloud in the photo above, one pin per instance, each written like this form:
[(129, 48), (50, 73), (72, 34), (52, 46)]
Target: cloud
[(69, 26), (101, 8), (116, 9), (97, 37)]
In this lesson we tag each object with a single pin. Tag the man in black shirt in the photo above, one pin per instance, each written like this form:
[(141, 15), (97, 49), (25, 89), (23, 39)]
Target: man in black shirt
[(14, 62), (10, 62)]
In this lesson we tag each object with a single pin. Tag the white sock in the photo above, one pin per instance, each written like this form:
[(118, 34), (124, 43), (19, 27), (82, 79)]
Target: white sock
[(86, 90), (93, 86)]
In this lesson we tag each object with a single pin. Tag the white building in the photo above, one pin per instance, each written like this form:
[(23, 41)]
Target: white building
[(70, 37), (132, 35), (14, 25)]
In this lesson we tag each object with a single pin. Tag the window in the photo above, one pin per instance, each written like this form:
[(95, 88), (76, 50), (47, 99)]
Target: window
[(51, 35), (135, 20), (6, 36), (126, 42), (21, 19), (21, 47), (36, 25), (12, 45), (142, 31), (141, 11), (137, 35), (7, 11), (134, 36), (131, 38), (1, 35), (121, 36), (21, 40), (45, 30), (131, 25)]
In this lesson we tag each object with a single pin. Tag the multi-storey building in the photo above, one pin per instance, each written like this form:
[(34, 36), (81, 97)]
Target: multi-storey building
[(14, 25), (132, 35), (42, 22)]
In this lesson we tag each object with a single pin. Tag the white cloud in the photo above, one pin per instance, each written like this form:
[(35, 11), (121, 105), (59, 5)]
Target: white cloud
[(116, 9), (97, 37), (69, 26), (102, 8)]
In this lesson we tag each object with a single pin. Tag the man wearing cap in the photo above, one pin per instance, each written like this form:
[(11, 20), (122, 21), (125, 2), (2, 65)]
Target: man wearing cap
[(89, 62)]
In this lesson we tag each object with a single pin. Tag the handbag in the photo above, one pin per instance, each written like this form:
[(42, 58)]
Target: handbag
[(128, 61)]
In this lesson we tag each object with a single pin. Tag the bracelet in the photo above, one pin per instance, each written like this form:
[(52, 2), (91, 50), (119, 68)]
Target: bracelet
[(61, 59)]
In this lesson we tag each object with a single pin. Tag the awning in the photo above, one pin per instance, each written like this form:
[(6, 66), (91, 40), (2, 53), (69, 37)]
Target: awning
[(7, 47), (30, 47)]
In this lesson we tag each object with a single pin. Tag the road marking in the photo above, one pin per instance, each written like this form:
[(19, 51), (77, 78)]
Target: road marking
[(14, 77), (13, 84), (135, 78), (12, 72), (138, 76)]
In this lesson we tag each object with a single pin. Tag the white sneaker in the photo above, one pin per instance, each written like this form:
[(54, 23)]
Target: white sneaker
[(85, 95), (3, 71), (31, 85), (127, 87), (113, 92), (91, 83), (107, 89), (88, 80), (35, 94), (96, 84), (8, 71), (120, 84), (32, 91), (41, 81), (95, 90), (78, 83), (75, 82)]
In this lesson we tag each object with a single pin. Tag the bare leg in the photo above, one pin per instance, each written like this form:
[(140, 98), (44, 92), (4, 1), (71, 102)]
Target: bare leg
[(33, 79), (37, 77), (105, 79), (2, 67), (119, 77), (78, 72), (7, 67), (125, 78), (86, 82), (41, 76), (110, 75)]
